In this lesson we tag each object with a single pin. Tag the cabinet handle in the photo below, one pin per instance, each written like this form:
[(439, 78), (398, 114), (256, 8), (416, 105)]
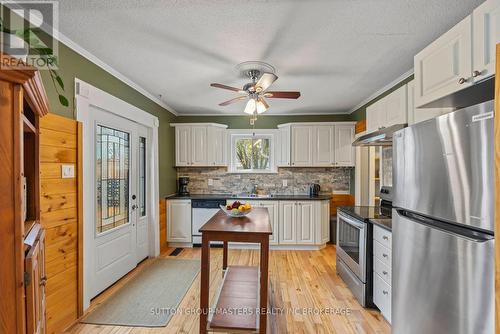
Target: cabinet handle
[(385, 237), (476, 73), (43, 281), (385, 255), (385, 292), (384, 272), (461, 81)]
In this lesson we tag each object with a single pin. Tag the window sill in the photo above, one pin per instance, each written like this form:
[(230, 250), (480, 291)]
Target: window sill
[(253, 172)]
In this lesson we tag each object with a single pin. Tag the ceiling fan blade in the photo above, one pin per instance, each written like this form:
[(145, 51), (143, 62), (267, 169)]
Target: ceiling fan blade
[(218, 85), (282, 95), (264, 102), (265, 81), (236, 99)]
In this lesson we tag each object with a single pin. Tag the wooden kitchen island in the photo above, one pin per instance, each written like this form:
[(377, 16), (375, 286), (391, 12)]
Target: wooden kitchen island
[(241, 304)]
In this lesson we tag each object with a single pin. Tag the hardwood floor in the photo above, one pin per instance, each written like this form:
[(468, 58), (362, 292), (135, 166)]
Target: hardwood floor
[(301, 282)]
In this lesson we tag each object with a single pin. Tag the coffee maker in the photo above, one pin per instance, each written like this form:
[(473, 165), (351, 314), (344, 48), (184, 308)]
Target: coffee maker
[(182, 183)]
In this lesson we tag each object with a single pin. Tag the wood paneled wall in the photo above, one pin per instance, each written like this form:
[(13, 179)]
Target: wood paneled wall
[(163, 224), (59, 216), (340, 200)]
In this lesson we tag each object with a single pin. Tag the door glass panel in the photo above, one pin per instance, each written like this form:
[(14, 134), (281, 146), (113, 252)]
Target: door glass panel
[(112, 178), (349, 239), (142, 176)]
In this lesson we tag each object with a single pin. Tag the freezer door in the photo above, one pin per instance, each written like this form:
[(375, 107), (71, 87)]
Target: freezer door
[(443, 167), (443, 281)]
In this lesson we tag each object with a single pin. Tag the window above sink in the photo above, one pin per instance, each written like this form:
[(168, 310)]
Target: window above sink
[(252, 151)]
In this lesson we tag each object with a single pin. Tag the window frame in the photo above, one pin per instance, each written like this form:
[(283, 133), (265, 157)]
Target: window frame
[(234, 135)]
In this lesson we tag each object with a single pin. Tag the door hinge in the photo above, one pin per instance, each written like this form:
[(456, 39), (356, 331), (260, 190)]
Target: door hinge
[(27, 278)]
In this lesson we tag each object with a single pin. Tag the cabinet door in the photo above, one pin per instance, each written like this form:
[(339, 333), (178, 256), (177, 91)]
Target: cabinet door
[(182, 145), (375, 116), (283, 148), (325, 222), (323, 145), (199, 146), (216, 146), (273, 208), (287, 222), (485, 36), (445, 66), (416, 115), (395, 107), (305, 222), (301, 145), (179, 221), (35, 289), (344, 151)]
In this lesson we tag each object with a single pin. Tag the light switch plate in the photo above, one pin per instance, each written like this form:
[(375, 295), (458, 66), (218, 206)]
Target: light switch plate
[(210, 182), (285, 182), (67, 171)]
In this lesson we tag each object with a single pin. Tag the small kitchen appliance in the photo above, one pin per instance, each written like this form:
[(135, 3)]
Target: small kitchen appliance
[(314, 189), (182, 189)]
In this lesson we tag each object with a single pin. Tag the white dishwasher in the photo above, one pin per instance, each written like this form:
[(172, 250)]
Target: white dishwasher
[(203, 210)]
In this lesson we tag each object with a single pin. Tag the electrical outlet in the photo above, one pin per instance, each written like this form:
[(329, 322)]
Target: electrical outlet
[(210, 182), (285, 182), (67, 171)]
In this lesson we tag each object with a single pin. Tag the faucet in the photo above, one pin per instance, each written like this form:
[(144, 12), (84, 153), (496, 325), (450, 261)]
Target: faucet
[(254, 189)]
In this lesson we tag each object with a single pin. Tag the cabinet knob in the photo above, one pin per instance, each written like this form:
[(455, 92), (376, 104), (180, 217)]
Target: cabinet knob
[(385, 255), (385, 292), (476, 73), (43, 281), (384, 272), (461, 81), (385, 237)]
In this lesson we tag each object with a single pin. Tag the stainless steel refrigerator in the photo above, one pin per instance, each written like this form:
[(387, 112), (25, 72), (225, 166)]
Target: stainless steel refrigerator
[(443, 223)]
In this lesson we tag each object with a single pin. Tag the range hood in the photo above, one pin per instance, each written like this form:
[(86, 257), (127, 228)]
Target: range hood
[(382, 137)]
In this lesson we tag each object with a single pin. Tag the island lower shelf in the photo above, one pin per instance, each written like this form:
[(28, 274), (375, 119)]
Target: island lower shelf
[(238, 301)]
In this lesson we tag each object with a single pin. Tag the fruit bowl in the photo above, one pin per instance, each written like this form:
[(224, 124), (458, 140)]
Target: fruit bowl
[(239, 210)]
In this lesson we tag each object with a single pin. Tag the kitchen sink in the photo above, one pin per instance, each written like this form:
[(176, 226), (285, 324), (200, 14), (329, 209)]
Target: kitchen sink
[(252, 196)]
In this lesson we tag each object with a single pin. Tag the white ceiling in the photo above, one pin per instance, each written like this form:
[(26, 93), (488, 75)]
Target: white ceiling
[(335, 52)]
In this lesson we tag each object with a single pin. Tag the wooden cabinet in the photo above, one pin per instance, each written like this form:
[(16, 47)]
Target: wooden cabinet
[(200, 144), (283, 147), (344, 153), (24, 101), (179, 220), (287, 222), (323, 145), (485, 36), (416, 115), (389, 110), (306, 220), (302, 143), (382, 273)]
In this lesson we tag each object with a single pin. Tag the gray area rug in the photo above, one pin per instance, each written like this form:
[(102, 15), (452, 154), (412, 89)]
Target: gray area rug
[(150, 298)]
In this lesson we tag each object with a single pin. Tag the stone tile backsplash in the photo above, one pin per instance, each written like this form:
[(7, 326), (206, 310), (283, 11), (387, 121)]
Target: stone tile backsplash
[(336, 179)]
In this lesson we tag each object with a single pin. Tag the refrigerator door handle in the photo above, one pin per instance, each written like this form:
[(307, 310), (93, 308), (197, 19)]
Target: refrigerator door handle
[(456, 230)]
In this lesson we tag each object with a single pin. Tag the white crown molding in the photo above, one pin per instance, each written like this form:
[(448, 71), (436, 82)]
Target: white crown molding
[(383, 90), (94, 59), (326, 113)]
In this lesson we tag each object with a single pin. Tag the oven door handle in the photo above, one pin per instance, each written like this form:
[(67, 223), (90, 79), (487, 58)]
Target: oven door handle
[(351, 222)]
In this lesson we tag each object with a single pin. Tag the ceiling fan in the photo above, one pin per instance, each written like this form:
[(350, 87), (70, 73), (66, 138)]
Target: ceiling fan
[(256, 92)]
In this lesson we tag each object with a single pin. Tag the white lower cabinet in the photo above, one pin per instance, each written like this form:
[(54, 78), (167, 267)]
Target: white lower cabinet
[(179, 220), (304, 222), (306, 219), (273, 209), (287, 222), (382, 272), (325, 222)]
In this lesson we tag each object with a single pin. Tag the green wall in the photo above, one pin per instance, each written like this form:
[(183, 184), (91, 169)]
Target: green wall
[(360, 113), (72, 65)]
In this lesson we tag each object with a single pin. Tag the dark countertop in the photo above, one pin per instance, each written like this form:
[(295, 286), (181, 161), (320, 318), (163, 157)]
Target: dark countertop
[(321, 197), (369, 214)]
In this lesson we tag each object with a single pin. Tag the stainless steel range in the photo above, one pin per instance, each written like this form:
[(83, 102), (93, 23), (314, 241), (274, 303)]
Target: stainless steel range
[(354, 245)]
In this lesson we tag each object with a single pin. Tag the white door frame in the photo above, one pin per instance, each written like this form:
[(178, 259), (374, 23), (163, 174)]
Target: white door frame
[(87, 96)]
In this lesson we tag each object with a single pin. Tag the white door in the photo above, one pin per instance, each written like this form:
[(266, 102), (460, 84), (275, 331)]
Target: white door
[(305, 222), (272, 207), (142, 198), (116, 159), (199, 145), (182, 145), (445, 66), (395, 112), (287, 222), (302, 145), (485, 36), (344, 151), (323, 149)]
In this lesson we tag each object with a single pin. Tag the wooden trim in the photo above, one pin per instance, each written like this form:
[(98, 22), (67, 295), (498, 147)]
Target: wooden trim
[(497, 190), (360, 126), (80, 216), (35, 94), (13, 70)]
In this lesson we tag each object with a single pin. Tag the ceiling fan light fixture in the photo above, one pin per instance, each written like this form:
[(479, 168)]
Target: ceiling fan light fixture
[(261, 107), (250, 107)]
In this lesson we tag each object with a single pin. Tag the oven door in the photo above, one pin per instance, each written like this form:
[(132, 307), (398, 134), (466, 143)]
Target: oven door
[(351, 244)]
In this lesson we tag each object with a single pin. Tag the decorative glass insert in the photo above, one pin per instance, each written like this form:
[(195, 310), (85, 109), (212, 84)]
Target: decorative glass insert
[(112, 178), (142, 176), (252, 154)]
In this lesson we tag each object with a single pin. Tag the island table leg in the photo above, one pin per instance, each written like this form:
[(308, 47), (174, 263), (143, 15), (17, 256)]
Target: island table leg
[(264, 267), (204, 282)]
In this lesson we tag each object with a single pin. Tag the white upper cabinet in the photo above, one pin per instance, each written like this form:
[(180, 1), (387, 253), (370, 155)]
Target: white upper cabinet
[(302, 139), (283, 147), (445, 66), (344, 151), (416, 115), (485, 36), (324, 145), (200, 144), (389, 110)]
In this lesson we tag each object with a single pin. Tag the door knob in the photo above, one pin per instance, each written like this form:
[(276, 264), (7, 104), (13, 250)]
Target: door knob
[(476, 73)]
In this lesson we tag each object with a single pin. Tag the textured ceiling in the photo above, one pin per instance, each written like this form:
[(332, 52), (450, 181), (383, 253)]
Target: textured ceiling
[(336, 52)]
